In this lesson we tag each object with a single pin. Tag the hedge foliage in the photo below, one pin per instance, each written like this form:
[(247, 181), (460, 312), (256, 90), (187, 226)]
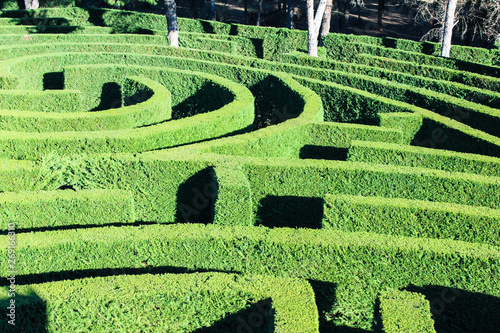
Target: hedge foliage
[(404, 155), (234, 102), (332, 256), (413, 218), (167, 303), (404, 311), (155, 109), (48, 209), (238, 153)]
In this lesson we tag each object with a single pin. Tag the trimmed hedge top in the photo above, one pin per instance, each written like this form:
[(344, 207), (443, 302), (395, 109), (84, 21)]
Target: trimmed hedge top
[(355, 191)]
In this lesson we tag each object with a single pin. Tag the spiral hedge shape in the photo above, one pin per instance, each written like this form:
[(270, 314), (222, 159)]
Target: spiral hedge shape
[(237, 184)]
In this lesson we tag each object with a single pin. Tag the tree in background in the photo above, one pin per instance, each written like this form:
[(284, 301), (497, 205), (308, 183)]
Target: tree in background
[(213, 14), (259, 13), (289, 15), (474, 20), (327, 17), (380, 12), (313, 24), (173, 28), (449, 23), (31, 4), (344, 11)]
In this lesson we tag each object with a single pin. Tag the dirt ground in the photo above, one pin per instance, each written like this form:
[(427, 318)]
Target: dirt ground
[(398, 21)]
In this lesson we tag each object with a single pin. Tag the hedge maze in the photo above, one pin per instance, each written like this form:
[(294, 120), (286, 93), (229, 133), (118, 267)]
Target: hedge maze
[(235, 184)]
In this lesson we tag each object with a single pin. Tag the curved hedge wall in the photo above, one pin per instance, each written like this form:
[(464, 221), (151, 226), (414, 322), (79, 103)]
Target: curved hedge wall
[(235, 184)]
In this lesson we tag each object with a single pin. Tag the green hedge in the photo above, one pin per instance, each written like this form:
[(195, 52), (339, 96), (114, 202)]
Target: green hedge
[(306, 178), (234, 198), (404, 311), (341, 135), (412, 218), (166, 303), (214, 56), (481, 117), (395, 74), (155, 180), (221, 43), (31, 210), (437, 73), (472, 54), (348, 51), (408, 123), (16, 175), (329, 256), (275, 42), (270, 43), (47, 101), (236, 115), (404, 155), (154, 110)]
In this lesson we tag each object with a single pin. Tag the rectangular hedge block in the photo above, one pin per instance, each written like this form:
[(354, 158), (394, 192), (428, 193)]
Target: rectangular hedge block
[(234, 199), (413, 218), (408, 123), (42, 209), (407, 312), (167, 303), (41, 101), (404, 155), (342, 134)]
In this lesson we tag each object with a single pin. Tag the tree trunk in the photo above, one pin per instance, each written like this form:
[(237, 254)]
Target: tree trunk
[(344, 14), (245, 6), (173, 28), (313, 24), (213, 14), (31, 4), (358, 9), (327, 17), (259, 13), (381, 8), (289, 16), (194, 9), (449, 23)]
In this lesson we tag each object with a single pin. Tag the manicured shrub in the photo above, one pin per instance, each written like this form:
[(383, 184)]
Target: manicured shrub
[(49, 209), (412, 218), (156, 108), (332, 256), (167, 302), (404, 155), (403, 311), (268, 150)]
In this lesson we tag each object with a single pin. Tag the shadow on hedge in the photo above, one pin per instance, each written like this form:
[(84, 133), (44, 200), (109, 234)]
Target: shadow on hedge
[(456, 310), (290, 212), (257, 318), (30, 314)]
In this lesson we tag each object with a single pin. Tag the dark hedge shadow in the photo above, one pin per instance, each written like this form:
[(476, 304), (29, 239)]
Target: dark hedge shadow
[(291, 212), (274, 102), (257, 318), (459, 311), (103, 272), (53, 81), (30, 314), (207, 27), (325, 297), (389, 42), (434, 135), (323, 153), (209, 97), (111, 97), (196, 198), (77, 226)]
